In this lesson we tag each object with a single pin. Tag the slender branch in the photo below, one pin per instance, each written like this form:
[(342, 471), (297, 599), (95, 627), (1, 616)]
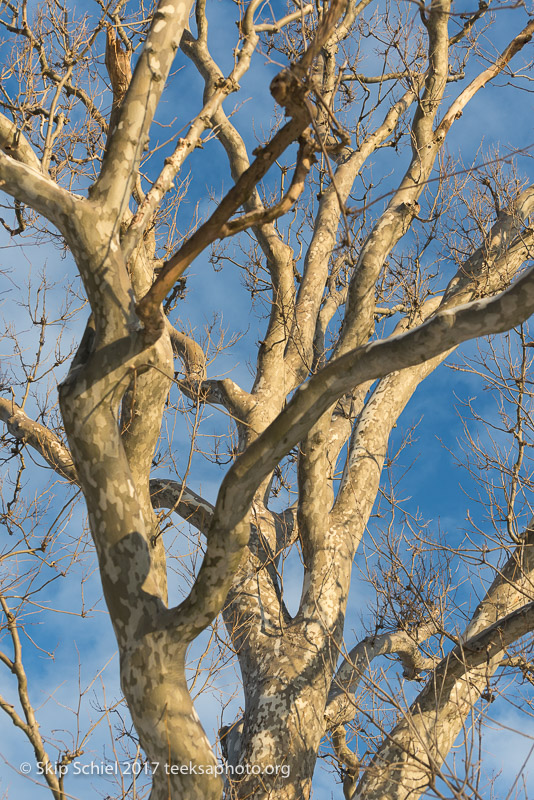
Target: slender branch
[(50, 73), (455, 110), (148, 308), (483, 7), (305, 160), (392, 76), (30, 726), (426, 142), (276, 27), (223, 392), (324, 236), (51, 133), (278, 254)]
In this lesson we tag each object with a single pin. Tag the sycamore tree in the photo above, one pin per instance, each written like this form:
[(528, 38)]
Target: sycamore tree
[(370, 251)]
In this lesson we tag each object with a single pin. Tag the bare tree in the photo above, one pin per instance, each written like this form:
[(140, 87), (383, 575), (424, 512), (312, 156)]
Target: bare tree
[(349, 270)]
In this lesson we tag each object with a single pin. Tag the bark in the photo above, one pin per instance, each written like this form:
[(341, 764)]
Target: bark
[(304, 397), (414, 751)]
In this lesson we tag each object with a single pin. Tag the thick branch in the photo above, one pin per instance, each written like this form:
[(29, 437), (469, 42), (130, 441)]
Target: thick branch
[(39, 437), (30, 186), (405, 644), (489, 269), (119, 69), (165, 493), (423, 737), (125, 148), (191, 354), (183, 501), (14, 144), (456, 108), (328, 548), (290, 91), (445, 330), (202, 121), (503, 250), (415, 750), (513, 584)]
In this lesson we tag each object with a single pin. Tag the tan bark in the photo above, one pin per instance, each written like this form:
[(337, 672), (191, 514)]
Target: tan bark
[(310, 396)]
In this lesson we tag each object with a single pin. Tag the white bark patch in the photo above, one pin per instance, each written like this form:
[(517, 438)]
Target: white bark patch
[(115, 500), (90, 480), (102, 228), (188, 498)]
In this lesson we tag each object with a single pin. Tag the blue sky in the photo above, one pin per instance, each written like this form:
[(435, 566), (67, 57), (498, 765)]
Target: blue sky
[(435, 485)]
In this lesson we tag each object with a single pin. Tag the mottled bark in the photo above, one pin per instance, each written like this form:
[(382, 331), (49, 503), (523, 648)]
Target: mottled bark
[(308, 395)]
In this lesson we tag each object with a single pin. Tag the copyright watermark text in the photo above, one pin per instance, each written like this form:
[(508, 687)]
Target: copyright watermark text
[(136, 768)]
